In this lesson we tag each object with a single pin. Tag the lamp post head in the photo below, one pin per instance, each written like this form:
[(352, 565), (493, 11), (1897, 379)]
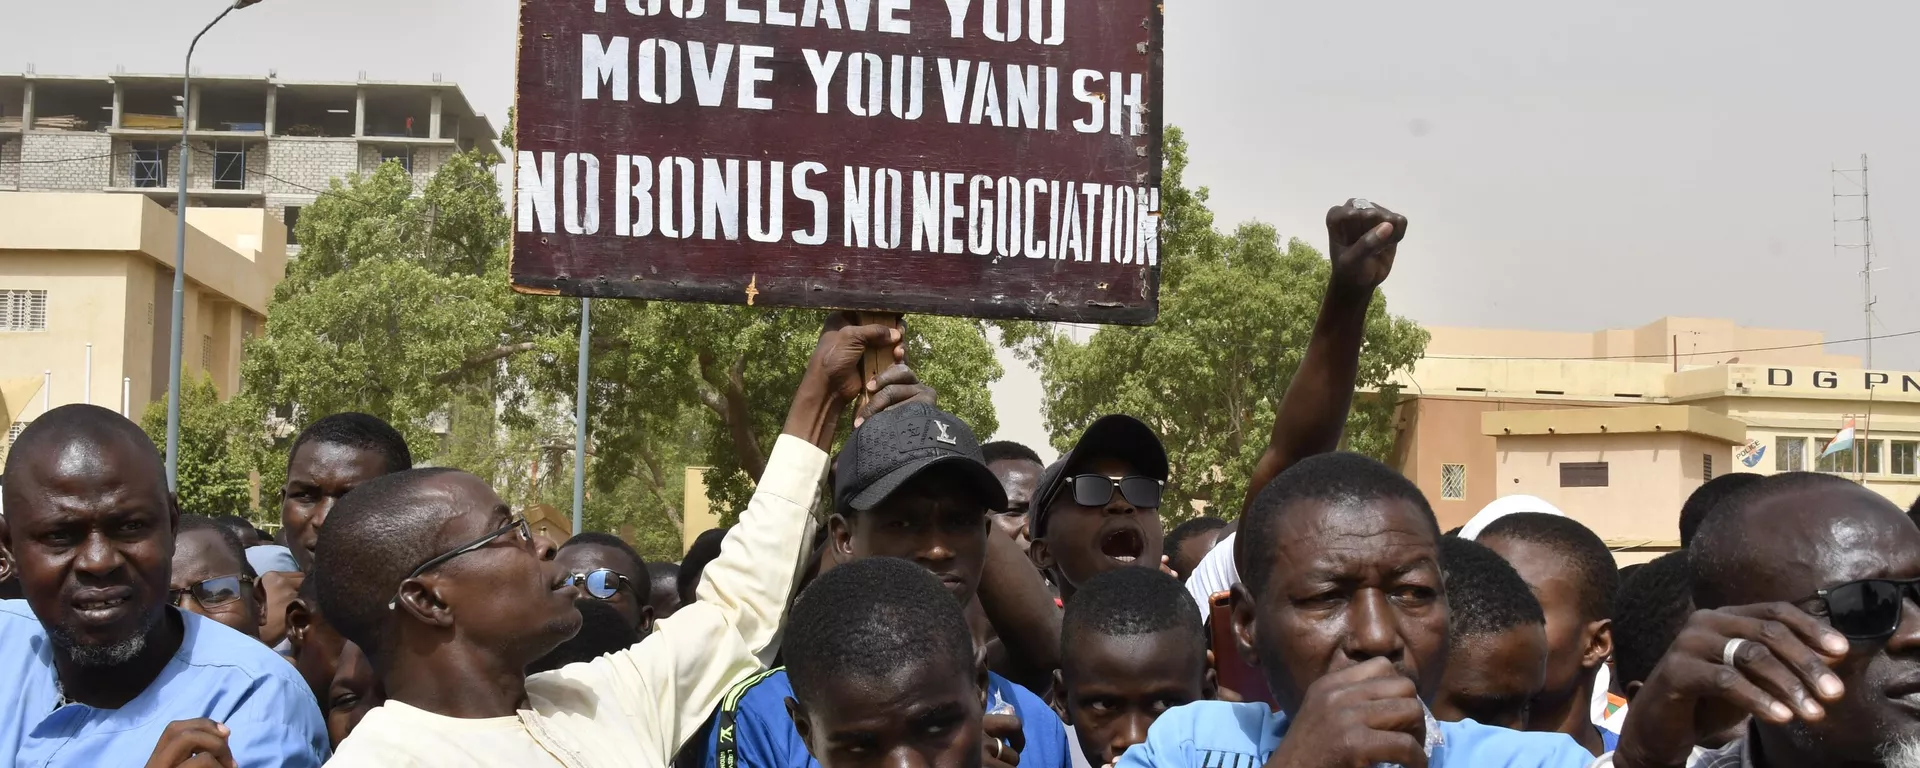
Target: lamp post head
[(238, 4)]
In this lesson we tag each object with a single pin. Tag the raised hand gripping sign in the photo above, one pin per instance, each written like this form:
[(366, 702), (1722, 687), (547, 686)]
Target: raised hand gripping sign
[(985, 158)]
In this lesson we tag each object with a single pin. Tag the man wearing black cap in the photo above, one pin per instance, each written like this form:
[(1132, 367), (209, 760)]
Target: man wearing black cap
[(909, 484), (1098, 507)]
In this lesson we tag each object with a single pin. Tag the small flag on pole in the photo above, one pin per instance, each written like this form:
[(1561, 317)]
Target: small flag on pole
[(1841, 441)]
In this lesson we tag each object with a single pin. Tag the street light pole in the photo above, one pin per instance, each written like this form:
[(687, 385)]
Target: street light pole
[(580, 419), (180, 255)]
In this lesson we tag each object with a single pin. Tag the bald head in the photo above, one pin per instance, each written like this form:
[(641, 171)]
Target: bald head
[(376, 536), (88, 511), (85, 439), (1782, 540), (1783, 537)]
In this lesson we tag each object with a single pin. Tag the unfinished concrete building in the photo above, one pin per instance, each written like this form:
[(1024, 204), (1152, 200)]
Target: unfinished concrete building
[(256, 142)]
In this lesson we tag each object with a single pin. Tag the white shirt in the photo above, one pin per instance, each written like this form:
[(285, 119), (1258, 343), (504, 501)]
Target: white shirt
[(1215, 573), (637, 706)]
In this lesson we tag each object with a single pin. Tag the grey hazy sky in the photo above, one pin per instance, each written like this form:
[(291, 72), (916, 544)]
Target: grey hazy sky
[(1564, 166)]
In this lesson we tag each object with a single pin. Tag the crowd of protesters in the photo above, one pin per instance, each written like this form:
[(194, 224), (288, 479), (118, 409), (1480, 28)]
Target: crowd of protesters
[(921, 599)]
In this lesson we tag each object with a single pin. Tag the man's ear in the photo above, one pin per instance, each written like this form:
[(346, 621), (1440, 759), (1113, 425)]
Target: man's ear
[(173, 523), (420, 598), (1041, 555), (6, 551), (1599, 644), (1245, 636), (839, 537), (800, 725), (1632, 688), (646, 620), (981, 678), (259, 603), (299, 623), (1057, 698), (1210, 683)]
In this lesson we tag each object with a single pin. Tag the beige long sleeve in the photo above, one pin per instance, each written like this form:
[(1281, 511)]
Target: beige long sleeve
[(636, 707)]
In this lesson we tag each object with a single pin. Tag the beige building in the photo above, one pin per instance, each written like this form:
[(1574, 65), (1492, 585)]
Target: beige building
[(86, 298), (1618, 427)]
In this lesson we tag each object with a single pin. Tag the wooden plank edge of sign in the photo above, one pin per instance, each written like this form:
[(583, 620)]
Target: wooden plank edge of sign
[(821, 297)]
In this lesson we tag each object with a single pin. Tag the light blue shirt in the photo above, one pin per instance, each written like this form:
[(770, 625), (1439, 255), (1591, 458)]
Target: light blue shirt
[(271, 558), (218, 674), (765, 736), (1217, 734)]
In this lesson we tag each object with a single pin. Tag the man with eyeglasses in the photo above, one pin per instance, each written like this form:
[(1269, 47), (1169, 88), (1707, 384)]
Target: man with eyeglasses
[(1808, 633), (607, 570), (211, 576), (1098, 507), (98, 668), (452, 599)]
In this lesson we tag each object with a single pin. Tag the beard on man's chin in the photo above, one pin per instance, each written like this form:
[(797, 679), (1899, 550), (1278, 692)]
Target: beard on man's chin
[(107, 655), (1904, 753)]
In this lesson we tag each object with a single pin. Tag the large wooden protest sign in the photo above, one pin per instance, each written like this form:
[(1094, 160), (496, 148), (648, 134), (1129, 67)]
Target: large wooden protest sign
[(987, 158)]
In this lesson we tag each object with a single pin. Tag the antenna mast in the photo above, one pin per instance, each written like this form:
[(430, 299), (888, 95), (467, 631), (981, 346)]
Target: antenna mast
[(1844, 185)]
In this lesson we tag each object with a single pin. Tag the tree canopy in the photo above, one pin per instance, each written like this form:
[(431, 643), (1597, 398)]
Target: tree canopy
[(218, 445), (1236, 312)]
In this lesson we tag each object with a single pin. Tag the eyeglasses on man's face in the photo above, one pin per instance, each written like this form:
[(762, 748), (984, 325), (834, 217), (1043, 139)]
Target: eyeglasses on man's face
[(517, 525), (601, 583), (1868, 609), (1099, 490), (211, 593)]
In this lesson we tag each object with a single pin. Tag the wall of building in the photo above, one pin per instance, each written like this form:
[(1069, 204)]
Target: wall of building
[(86, 302), (1674, 341), (235, 257), (304, 165), (64, 160), (426, 163), (1650, 476), (9, 162), (1569, 380), (144, 320), (1436, 431)]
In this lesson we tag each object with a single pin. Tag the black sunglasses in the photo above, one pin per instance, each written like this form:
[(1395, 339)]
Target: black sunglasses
[(212, 593), (601, 584), (1098, 490), (1868, 609), (518, 523)]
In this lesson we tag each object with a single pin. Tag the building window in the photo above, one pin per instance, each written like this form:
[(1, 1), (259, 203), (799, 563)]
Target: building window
[(1789, 454), (401, 155), (1903, 451), (206, 353), (292, 217), (1838, 462), (229, 165), (149, 164), (1872, 447), (23, 310), (1583, 474), (13, 432), (1453, 481), (1706, 467)]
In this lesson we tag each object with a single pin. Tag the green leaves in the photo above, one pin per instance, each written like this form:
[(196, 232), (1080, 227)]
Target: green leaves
[(1236, 313), (218, 442)]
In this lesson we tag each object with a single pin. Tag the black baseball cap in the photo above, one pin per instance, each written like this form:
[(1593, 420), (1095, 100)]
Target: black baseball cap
[(894, 446), (1118, 436)]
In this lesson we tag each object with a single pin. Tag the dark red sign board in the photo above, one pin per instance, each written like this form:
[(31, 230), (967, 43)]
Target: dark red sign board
[(984, 158)]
